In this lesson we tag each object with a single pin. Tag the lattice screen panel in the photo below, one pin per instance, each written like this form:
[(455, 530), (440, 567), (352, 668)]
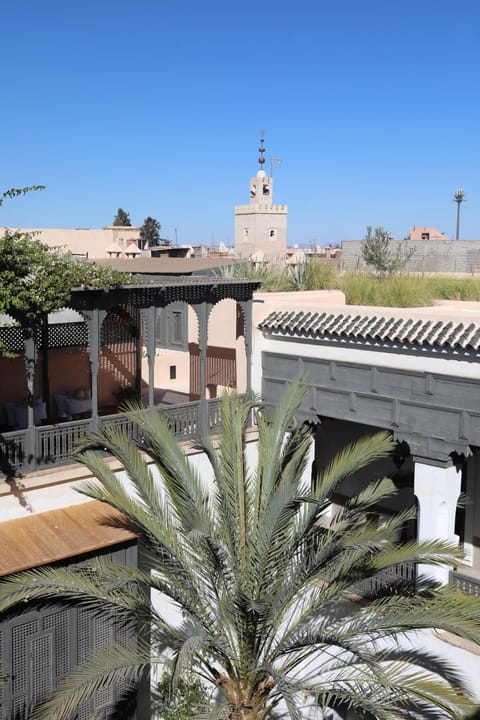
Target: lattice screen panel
[(41, 670), (60, 335), (42, 646), (58, 623)]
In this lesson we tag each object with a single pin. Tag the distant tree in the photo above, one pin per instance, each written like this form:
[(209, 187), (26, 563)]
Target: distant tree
[(378, 253), (122, 218), (150, 232)]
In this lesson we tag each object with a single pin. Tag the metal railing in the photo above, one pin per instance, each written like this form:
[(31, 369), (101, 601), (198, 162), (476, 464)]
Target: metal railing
[(406, 572), (12, 451), (51, 445), (469, 585), (55, 443)]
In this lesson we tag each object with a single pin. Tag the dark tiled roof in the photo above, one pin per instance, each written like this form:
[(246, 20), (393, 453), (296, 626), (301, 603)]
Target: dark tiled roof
[(377, 328)]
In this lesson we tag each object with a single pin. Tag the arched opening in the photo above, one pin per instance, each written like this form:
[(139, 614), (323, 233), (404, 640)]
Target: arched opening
[(119, 376), (226, 357), (175, 325)]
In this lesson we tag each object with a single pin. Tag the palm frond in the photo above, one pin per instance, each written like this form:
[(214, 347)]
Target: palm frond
[(268, 597), (115, 666)]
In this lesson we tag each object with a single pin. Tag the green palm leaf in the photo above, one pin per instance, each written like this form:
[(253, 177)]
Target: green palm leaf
[(272, 605)]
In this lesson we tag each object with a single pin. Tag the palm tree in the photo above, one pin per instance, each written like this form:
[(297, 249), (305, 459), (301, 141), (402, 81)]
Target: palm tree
[(270, 607)]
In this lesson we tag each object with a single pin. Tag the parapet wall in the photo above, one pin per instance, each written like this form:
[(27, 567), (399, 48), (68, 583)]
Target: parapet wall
[(462, 256)]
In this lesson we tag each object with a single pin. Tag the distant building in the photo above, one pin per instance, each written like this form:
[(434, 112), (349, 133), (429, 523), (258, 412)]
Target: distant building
[(261, 226), (110, 241), (426, 233)]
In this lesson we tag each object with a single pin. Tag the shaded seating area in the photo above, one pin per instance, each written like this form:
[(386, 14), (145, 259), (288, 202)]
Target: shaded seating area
[(72, 373)]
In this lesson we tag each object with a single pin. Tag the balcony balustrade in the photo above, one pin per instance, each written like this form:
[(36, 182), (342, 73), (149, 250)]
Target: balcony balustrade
[(467, 583), (54, 444)]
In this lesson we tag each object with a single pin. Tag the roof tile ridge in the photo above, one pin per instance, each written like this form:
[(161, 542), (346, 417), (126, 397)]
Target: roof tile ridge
[(311, 320), (376, 330), (465, 338), (443, 338), (423, 331), (430, 337), (405, 328), (330, 323), (456, 333), (475, 339), (365, 324), (272, 320), (390, 327), (302, 321), (351, 323)]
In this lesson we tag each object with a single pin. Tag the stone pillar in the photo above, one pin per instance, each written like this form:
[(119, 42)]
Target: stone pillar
[(472, 511), (437, 490), (94, 319), (248, 329), (30, 358), (149, 318), (203, 310)]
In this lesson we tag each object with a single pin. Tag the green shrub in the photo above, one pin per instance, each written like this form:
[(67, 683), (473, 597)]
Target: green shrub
[(455, 288), (405, 291), (359, 288), (319, 275)]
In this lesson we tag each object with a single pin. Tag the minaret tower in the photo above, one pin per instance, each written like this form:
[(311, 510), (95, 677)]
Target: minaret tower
[(261, 226)]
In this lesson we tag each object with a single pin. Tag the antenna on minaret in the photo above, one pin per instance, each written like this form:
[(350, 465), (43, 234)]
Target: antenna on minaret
[(273, 162), (261, 149)]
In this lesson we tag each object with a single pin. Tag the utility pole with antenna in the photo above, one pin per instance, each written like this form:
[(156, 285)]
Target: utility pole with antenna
[(458, 197)]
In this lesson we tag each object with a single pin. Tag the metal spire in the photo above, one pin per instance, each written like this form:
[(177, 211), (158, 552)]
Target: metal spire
[(261, 149)]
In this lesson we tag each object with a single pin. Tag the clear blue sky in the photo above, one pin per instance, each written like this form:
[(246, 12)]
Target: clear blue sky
[(156, 107)]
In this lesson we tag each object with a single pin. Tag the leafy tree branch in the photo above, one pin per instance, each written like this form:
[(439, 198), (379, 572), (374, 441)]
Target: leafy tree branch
[(36, 279), (384, 254)]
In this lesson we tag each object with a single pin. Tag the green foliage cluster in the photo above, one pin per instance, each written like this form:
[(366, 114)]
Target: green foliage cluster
[(122, 218), (15, 192), (150, 232), (180, 701), (398, 290), (319, 275), (405, 290), (394, 291), (273, 277), (311, 274), (378, 253), (265, 589), (36, 279)]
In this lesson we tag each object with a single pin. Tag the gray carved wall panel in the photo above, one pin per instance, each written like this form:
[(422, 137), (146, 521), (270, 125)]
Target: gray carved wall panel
[(435, 413)]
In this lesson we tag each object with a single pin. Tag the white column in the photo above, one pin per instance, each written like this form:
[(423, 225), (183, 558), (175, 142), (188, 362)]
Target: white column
[(437, 490), (472, 508), (310, 457)]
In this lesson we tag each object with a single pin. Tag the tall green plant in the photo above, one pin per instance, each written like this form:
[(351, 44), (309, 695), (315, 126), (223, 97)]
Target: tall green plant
[(267, 595), (384, 254)]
